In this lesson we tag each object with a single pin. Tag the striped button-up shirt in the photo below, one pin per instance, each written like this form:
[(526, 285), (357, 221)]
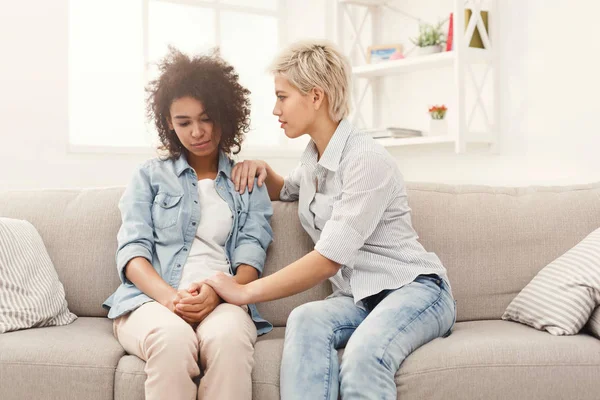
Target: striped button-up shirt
[(353, 204)]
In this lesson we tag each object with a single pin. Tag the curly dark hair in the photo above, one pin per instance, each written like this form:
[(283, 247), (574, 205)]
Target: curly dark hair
[(208, 79)]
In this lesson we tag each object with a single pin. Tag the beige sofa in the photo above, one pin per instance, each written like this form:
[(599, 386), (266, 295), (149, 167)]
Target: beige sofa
[(492, 240)]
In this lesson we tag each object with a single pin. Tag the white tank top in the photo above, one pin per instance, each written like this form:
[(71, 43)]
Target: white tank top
[(207, 255)]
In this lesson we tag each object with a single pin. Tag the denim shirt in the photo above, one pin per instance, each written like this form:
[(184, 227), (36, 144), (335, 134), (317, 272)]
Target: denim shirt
[(160, 213)]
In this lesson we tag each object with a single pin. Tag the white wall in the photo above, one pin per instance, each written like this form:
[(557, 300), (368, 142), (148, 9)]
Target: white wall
[(550, 130), (33, 104)]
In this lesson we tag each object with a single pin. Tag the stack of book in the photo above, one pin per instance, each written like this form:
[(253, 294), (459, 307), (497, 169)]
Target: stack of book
[(393, 132)]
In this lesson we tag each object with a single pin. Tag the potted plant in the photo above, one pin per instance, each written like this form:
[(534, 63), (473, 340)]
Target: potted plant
[(430, 39), (437, 123)]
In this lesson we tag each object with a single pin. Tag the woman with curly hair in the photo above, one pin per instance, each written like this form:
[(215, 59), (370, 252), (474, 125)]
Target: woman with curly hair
[(182, 222)]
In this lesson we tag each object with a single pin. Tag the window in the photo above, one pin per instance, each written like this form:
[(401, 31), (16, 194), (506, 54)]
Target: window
[(114, 44)]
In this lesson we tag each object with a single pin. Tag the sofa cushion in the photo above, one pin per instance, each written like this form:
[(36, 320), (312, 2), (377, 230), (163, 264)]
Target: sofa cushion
[(75, 361), (290, 242), (267, 361), (130, 378), (79, 229), (31, 293), (494, 240), (501, 359), (563, 295), (130, 375)]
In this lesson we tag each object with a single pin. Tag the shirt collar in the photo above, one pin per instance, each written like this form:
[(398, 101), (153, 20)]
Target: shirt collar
[(181, 164), (333, 152)]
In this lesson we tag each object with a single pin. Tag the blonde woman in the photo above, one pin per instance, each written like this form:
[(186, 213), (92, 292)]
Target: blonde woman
[(391, 295)]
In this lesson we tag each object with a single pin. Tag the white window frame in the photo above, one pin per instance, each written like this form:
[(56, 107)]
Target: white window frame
[(281, 151)]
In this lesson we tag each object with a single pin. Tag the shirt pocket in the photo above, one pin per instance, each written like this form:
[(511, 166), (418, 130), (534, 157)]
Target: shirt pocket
[(165, 210)]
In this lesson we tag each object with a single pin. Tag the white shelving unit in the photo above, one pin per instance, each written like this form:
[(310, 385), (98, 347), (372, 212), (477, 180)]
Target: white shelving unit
[(462, 59)]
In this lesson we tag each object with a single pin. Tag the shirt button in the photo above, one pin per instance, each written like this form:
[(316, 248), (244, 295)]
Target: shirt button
[(185, 249), (178, 265), (193, 223), (196, 201), (164, 203), (193, 184)]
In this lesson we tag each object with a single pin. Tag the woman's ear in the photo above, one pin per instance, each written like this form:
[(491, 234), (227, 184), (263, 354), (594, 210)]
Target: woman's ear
[(318, 96), (169, 123)]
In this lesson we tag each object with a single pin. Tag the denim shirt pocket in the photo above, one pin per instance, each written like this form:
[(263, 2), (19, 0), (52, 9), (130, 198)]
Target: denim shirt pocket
[(165, 210)]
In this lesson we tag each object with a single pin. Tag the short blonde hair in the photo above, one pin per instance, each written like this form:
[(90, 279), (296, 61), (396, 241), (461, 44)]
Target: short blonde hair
[(308, 64)]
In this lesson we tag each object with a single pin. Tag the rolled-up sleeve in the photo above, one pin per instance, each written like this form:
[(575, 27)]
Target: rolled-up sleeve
[(291, 185), (367, 189), (136, 235), (256, 234)]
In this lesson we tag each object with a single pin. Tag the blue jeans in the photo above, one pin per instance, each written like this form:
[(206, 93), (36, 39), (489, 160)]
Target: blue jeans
[(376, 340)]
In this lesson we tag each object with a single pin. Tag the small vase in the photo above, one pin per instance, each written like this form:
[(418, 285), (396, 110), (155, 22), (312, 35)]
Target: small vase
[(437, 127), (429, 50)]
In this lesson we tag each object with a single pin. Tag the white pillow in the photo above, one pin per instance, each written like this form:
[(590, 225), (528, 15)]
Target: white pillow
[(563, 295), (30, 293)]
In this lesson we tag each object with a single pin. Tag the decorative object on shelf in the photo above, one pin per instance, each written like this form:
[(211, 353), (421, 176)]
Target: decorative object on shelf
[(381, 53), (476, 40), (393, 132), (430, 39), (397, 56), (437, 124), (438, 112), (450, 35)]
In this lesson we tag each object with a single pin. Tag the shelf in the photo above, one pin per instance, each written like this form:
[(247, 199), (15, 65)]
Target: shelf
[(471, 74), (365, 2), (393, 142), (418, 63), (473, 138)]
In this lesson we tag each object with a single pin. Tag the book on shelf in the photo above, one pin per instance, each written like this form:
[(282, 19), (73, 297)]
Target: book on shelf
[(450, 36), (392, 132), (382, 53)]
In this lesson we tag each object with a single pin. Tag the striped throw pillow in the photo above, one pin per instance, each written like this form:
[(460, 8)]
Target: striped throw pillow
[(593, 325), (563, 295), (31, 294)]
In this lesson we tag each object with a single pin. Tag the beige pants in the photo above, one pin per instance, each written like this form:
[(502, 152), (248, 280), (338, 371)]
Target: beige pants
[(169, 345)]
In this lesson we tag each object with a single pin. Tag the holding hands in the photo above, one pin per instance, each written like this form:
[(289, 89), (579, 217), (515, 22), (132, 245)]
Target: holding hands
[(226, 288), (195, 305)]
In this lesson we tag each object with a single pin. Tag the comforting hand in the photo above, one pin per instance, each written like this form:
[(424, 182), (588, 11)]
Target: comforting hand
[(243, 174), (227, 288), (194, 309)]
